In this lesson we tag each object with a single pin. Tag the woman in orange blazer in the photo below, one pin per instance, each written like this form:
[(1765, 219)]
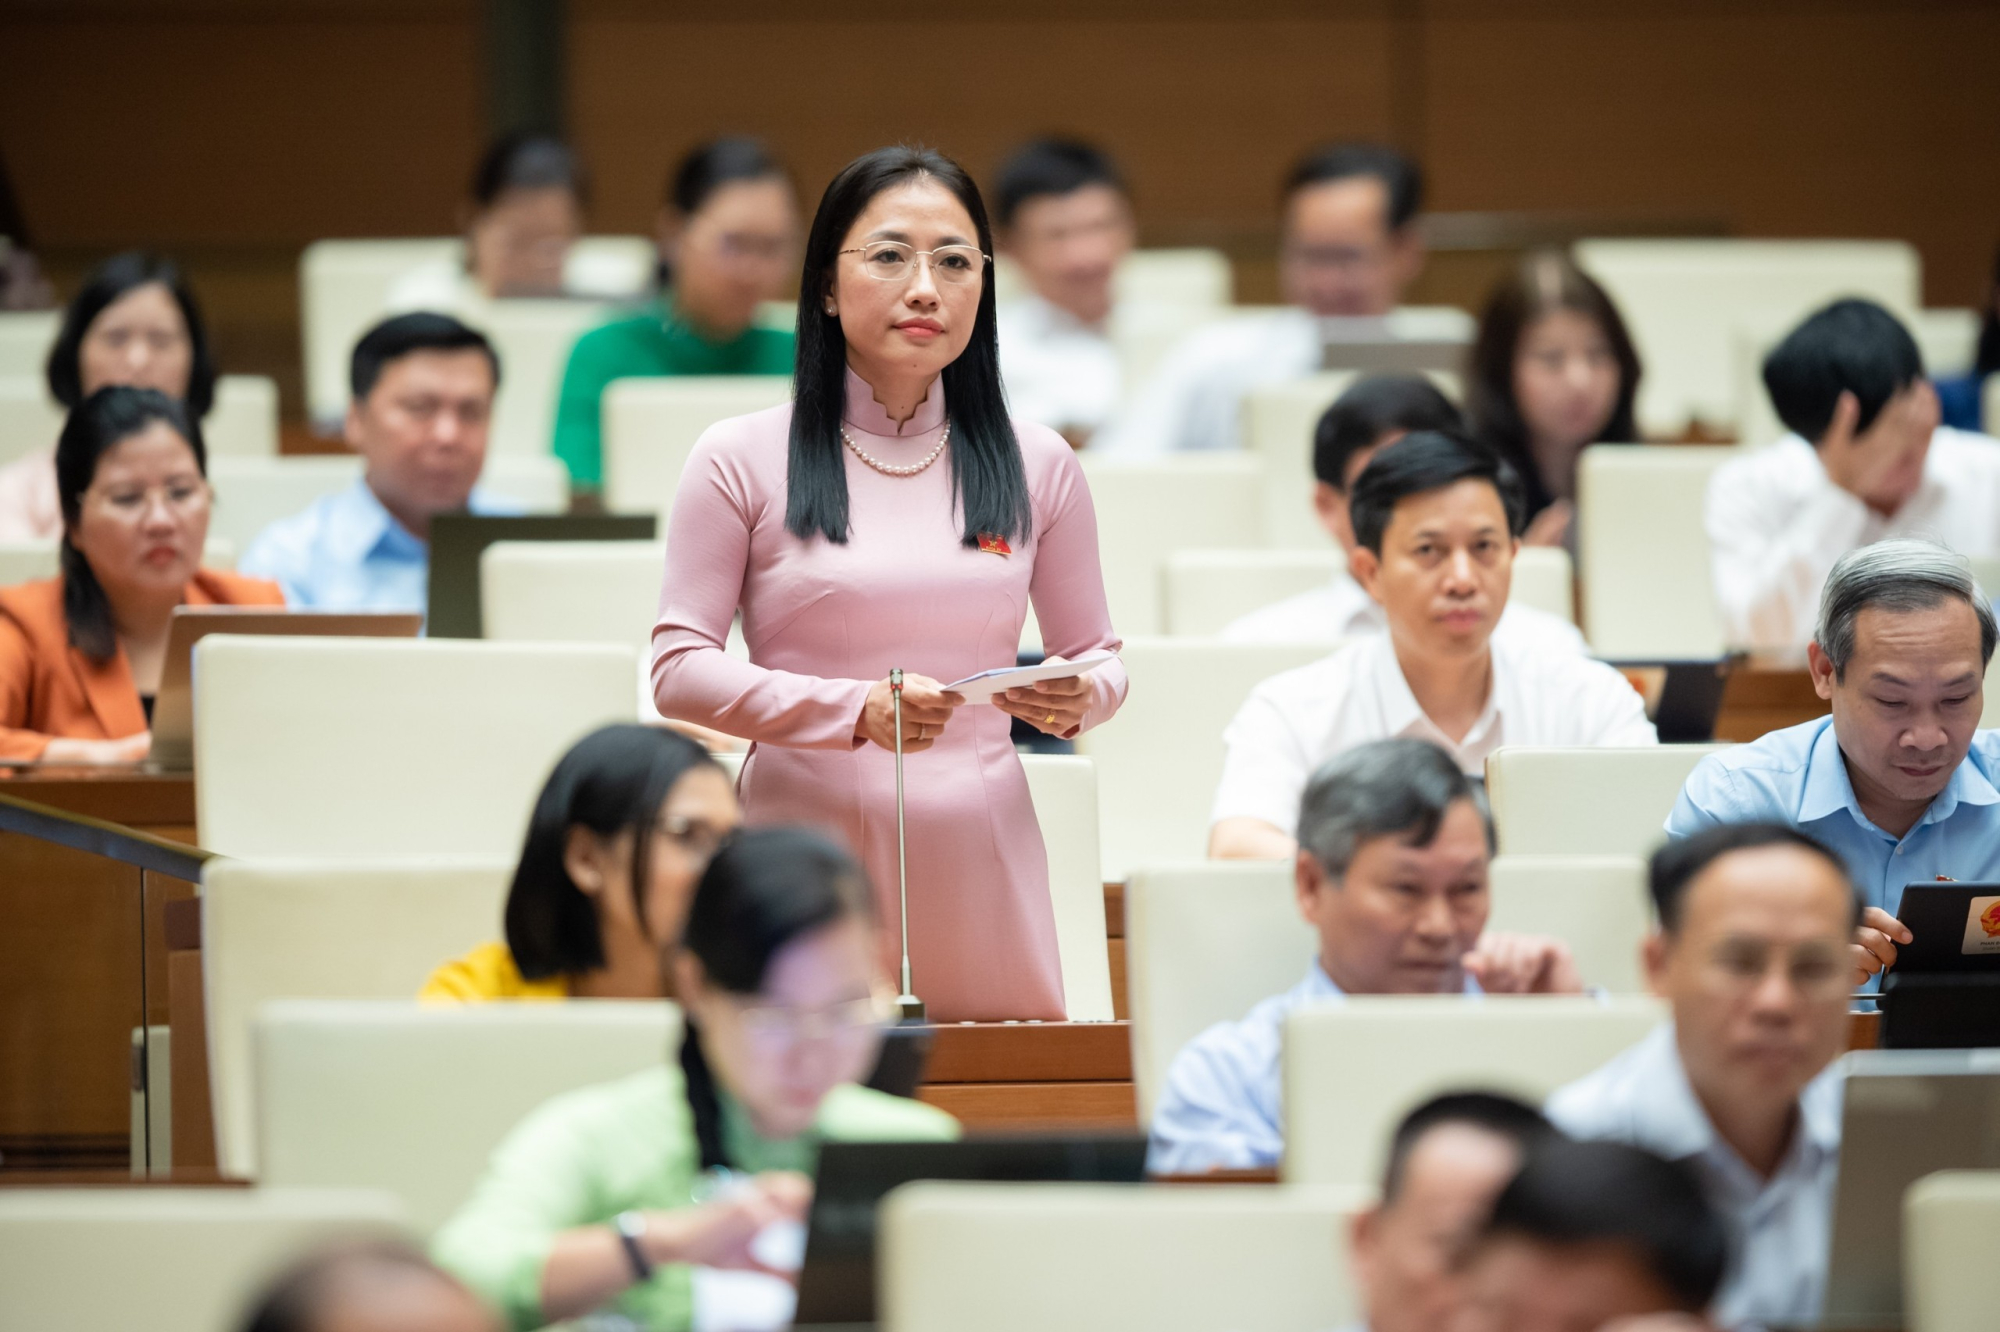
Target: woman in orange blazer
[(80, 654)]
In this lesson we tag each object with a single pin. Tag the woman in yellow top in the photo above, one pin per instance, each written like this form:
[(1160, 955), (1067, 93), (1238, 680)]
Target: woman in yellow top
[(619, 836)]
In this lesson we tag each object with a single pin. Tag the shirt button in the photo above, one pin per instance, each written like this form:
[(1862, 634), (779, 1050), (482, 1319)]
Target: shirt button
[(1899, 849)]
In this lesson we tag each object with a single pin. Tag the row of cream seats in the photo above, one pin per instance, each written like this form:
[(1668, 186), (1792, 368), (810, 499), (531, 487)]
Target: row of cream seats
[(964, 1257)]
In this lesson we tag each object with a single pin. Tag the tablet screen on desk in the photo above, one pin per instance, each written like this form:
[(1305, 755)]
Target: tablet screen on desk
[(1956, 927)]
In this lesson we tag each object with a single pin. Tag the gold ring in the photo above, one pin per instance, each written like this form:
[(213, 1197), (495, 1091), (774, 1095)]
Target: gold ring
[(1049, 720)]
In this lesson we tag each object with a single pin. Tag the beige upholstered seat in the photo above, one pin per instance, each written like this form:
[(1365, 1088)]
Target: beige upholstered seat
[(1353, 1069), (339, 929), (1595, 904), (1587, 802), (1086, 1257), (1950, 1220), (412, 1098), (533, 339), (25, 339), (651, 425), (352, 747), (1159, 759), (164, 1259), (1645, 552), (1149, 509)]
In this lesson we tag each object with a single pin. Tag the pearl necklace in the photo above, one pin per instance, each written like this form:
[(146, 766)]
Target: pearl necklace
[(885, 468)]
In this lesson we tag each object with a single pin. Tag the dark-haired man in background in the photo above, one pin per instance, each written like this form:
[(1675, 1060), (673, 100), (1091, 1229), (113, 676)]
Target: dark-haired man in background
[(423, 387), (1865, 459), (1065, 218), (1350, 249), (1436, 525), (1756, 923)]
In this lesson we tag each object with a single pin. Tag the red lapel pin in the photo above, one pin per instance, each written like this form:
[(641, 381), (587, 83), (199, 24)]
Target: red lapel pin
[(994, 545)]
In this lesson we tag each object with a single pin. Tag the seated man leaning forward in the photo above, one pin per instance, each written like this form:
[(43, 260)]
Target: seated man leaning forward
[(1437, 522), (1448, 1160), (1391, 874), (1373, 414), (1752, 956), (1899, 782), (423, 387)]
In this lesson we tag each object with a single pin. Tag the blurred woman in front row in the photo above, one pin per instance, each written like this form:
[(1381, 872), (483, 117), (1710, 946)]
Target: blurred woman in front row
[(611, 1194), (81, 653), (1553, 372), (622, 830)]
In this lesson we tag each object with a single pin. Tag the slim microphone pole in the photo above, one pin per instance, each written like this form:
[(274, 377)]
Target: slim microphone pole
[(908, 1006)]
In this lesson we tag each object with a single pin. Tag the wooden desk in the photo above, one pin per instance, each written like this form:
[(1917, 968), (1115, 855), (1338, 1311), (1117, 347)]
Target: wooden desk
[(1033, 1074), (1767, 694), (82, 960)]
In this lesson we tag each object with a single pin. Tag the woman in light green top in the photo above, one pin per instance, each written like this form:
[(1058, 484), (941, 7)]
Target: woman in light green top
[(729, 236), (610, 1195)]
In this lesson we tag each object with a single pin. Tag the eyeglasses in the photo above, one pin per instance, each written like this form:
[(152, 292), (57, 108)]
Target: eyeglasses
[(180, 497), (778, 1027), (893, 261), (698, 839)]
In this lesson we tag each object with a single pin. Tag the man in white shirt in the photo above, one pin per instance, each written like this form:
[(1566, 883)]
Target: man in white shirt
[(1372, 414), (1351, 248), (1752, 954), (1865, 459), (1391, 873), (1066, 220), (1436, 524)]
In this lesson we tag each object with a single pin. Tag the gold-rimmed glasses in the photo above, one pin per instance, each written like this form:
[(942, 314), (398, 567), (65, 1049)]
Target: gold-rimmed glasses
[(893, 261)]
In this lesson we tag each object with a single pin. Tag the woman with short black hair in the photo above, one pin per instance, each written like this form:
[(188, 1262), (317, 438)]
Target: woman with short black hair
[(623, 828), (134, 322), (896, 518)]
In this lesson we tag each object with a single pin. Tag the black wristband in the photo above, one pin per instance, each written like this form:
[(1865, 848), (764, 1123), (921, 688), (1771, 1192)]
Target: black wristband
[(631, 1228)]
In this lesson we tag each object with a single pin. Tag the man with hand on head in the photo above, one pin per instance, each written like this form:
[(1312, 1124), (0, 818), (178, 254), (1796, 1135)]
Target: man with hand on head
[(1351, 248), (1437, 522), (1899, 781), (1448, 1160), (1596, 1237), (1391, 874), (1065, 219), (1865, 459), (1751, 954), (1370, 416), (423, 387)]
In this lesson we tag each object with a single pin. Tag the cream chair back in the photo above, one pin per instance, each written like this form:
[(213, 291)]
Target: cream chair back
[(242, 423), (1208, 589), (1545, 580), (25, 339), (1150, 509), (1647, 594), (1064, 791), (651, 426), (253, 493), (1205, 942), (571, 591), (412, 1098), (1353, 1069), (1587, 802), (533, 339), (1159, 759), (348, 929), (1595, 904), (353, 747), (993, 1257), (1679, 297), (166, 1259), (1949, 1221)]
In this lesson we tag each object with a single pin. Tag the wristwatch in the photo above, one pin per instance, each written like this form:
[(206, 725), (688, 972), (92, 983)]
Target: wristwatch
[(631, 1228)]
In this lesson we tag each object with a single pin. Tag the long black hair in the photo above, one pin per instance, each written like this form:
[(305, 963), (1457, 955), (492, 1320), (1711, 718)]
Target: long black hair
[(988, 479), (97, 425), (111, 281), (768, 888), (615, 778)]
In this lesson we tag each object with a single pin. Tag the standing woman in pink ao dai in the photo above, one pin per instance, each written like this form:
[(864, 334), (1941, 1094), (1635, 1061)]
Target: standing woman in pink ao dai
[(894, 516)]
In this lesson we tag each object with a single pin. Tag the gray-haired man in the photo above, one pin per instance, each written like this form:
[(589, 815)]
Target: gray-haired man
[(1899, 781), (1391, 875)]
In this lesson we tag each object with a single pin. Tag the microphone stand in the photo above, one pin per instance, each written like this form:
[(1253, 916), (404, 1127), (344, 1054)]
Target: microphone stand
[(908, 1007)]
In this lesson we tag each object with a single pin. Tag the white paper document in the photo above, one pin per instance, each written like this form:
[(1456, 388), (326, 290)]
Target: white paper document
[(983, 686)]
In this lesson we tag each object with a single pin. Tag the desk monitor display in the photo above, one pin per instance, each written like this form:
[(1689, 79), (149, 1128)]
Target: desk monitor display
[(1907, 1113), (459, 539), (1683, 698), (837, 1283), (173, 705)]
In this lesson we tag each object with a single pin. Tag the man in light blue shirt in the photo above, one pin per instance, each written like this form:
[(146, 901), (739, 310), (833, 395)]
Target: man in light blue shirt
[(1899, 781), (423, 387), (1751, 954), (1391, 873)]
